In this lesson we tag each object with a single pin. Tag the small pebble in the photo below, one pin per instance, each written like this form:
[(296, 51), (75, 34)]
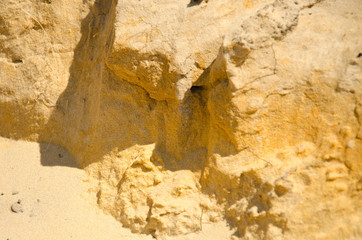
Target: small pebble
[(15, 192), (60, 155), (38, 200), (17, 208), (2, 194)]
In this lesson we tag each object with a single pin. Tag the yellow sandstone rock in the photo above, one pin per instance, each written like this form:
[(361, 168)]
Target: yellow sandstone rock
[(190, 112)]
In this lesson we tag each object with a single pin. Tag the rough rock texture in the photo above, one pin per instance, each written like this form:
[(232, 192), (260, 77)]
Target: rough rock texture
[(190, 112)]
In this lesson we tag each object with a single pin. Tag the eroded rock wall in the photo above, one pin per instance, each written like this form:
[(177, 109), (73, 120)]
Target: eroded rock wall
[(185, 113)]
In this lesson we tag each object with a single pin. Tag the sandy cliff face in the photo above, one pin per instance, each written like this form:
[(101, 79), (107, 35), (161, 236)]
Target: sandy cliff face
[(185, 113)]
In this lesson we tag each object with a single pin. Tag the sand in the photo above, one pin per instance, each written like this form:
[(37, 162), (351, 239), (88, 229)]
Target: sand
[(54, 198)]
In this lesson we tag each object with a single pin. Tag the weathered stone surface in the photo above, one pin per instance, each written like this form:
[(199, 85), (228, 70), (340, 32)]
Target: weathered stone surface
[(184, 112)]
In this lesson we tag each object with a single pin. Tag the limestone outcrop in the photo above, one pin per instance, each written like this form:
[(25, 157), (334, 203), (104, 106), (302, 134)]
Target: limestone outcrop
[(185, 113)]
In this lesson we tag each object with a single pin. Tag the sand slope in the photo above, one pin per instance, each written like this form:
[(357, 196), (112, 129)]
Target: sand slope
[(55, 199)]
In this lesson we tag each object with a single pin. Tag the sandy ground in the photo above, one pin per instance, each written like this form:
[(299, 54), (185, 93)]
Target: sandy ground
[(54, 199)]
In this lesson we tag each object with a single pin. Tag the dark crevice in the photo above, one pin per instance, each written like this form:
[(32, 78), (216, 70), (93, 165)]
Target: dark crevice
[(17, 61), (196, 89), (194, 3)]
